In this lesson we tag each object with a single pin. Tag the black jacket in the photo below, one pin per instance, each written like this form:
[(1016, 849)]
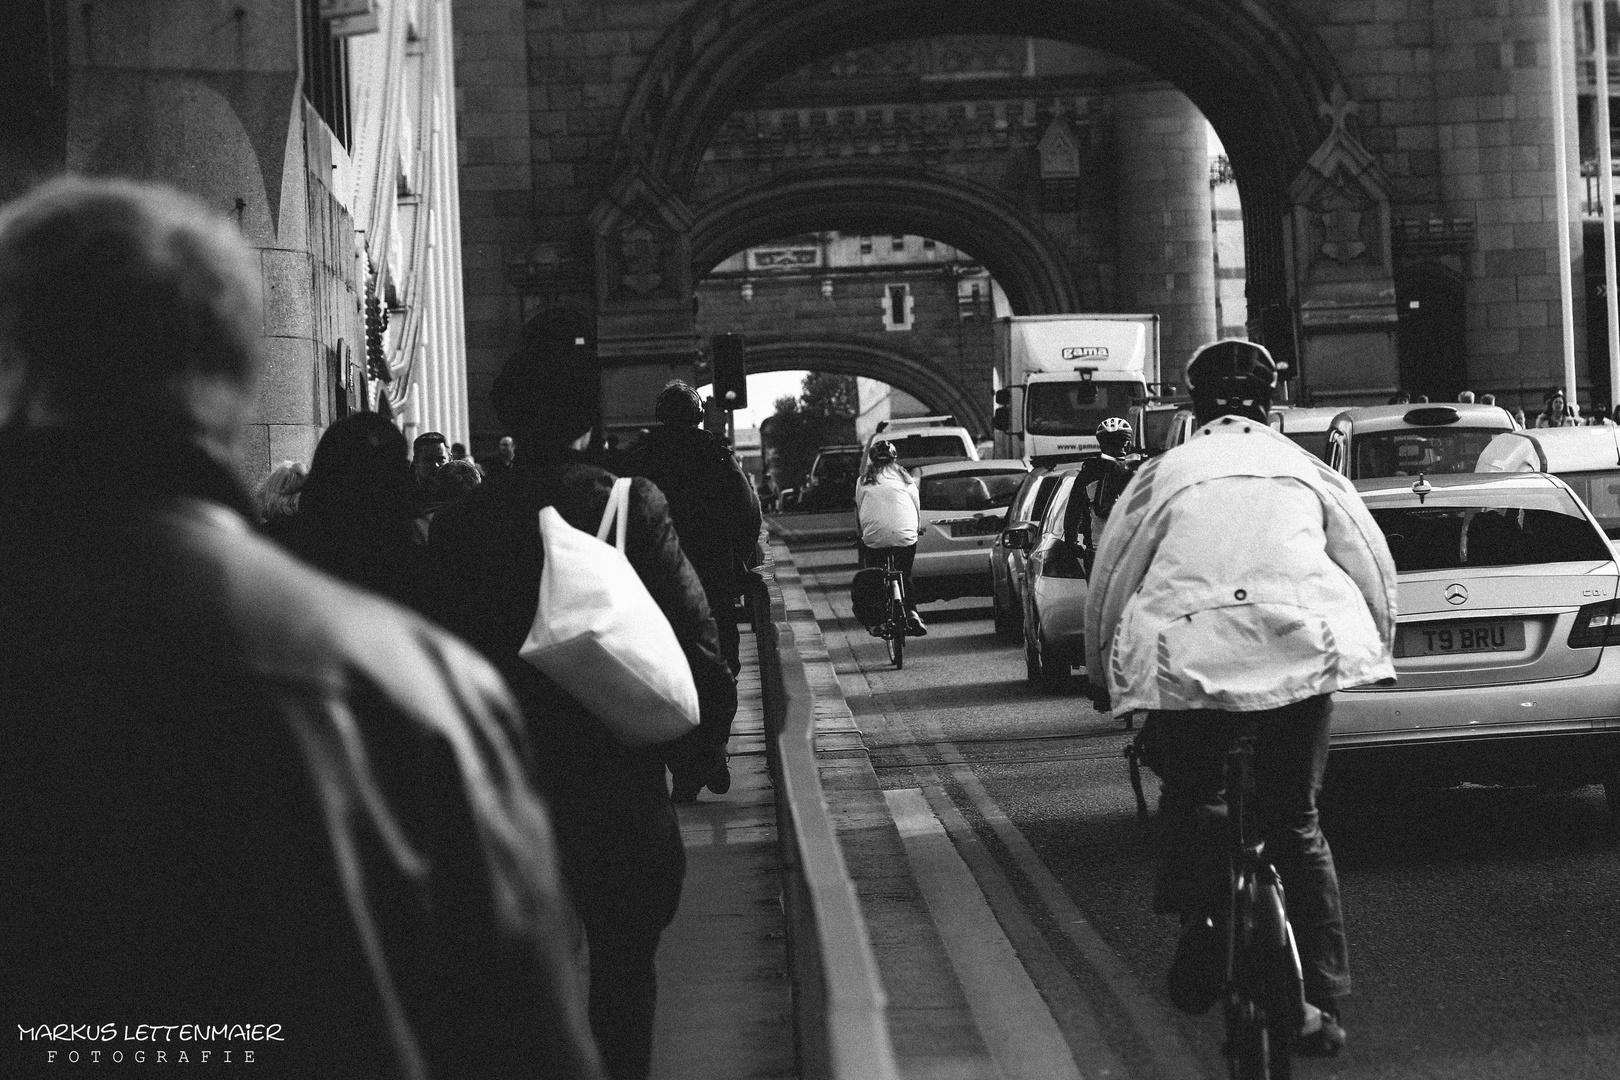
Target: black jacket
[(714, 509), (237, 791), (487, 557)]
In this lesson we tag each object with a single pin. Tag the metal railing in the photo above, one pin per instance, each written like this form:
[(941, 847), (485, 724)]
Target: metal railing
[(839, 1007)]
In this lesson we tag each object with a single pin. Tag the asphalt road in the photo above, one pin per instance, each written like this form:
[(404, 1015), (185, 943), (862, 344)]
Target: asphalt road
[(1484, 922)]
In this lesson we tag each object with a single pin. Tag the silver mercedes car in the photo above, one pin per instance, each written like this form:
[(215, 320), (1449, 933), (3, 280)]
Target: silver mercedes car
[(1507, 649)]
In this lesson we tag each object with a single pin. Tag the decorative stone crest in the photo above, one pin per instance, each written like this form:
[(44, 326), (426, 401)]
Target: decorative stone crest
[(642, 250), (1342, 195)]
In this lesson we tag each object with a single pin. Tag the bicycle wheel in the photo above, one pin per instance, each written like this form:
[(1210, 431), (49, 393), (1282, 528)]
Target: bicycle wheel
[(1263, 990), (897, 646)]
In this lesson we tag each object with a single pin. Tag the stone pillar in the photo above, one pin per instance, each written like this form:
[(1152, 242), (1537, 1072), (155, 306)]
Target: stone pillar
[(496, 185), (645, 332), (1344, 283), (1166, 252)]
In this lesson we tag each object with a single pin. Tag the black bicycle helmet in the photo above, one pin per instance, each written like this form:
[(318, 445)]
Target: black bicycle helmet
[(882, 452), (1232, 369)]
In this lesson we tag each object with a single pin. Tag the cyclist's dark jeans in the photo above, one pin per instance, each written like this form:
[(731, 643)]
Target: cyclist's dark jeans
[(903, 558), (1289, 759)]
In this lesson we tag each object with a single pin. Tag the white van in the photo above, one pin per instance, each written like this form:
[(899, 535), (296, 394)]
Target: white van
[(1585, 458)]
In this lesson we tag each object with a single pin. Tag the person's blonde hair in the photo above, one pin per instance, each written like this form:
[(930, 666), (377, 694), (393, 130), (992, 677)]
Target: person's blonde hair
[(278, 493)]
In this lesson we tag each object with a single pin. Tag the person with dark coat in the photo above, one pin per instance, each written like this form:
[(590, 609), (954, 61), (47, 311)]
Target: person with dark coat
[(234, 790), (715, 510), (620, 840), (358, 510)]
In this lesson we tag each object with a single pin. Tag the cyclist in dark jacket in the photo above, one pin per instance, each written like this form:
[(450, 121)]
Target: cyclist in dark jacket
[(715, 510), (620, 840)]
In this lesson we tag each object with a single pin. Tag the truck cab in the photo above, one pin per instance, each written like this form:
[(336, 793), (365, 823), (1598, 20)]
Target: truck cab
[(1059, 376)]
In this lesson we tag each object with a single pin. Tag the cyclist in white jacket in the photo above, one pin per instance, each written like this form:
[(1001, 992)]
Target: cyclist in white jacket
[(1240, 577), (888, 510)]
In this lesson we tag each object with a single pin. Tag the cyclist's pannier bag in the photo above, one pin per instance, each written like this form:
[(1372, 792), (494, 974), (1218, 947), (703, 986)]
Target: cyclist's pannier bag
[(869, 597)]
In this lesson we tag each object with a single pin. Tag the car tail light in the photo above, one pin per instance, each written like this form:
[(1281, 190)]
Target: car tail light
[(1595, 625), (1063, 561)]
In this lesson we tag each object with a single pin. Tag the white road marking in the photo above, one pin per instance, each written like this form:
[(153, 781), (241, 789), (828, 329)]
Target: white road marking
[(1017, 1026)]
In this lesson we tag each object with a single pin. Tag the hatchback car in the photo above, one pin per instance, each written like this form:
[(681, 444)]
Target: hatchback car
[(1055, 588), (964, 509), (1408, 440), (1507, 646), (1011, 546), (1585, 458)]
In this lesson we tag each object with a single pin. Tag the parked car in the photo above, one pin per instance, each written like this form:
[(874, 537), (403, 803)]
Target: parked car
[(830, 484), (1585, 458), (1054, 588), (1507, 649), (1012, 545), (964, 508), (1406, 440), (1307, 427)]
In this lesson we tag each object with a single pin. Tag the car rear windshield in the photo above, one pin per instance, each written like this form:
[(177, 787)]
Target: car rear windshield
[(1410, 451), (1313, 442), (841, 466), (1075, 408), (977, 490), (1157, 427), (1600, 491), (930, 446), (1462, 537)]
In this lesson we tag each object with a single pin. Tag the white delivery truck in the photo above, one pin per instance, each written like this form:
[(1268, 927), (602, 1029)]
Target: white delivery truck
[(1058, 376)]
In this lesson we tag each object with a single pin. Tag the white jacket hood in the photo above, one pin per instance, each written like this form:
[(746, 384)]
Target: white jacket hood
[(1238, 573)]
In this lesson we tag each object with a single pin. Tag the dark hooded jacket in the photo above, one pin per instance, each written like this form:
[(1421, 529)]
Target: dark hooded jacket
[(236, 791), (715, 511)]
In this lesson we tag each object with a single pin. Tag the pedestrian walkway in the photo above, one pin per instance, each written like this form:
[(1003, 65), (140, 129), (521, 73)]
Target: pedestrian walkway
[(724, 997)]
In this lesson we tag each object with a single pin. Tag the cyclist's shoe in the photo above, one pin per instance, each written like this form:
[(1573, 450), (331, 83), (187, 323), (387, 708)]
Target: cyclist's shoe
[(914, 625), (876, 631), (1322, 1036), (1198, 969)]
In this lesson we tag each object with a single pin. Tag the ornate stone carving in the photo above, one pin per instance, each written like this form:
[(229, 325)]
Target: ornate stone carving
[(642, 250)]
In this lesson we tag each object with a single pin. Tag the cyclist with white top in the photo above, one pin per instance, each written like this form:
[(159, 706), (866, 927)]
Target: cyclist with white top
[(888, 511), (1239, 578)]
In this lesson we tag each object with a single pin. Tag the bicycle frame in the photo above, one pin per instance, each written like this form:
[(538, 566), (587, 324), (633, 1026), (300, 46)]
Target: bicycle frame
[(1265, 1002)]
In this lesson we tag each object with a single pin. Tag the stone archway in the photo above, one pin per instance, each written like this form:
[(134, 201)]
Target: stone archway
[(1260, 74), (860, 199), (854, 356)]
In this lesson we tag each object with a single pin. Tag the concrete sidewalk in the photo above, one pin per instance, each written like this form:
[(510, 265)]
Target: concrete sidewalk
[(724, 1001)]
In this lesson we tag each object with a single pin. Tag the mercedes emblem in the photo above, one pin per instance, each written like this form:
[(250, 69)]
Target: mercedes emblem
[(1456, 594)]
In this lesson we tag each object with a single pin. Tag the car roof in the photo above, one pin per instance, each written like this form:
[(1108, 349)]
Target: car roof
[(1556, 450), (1393, 417), (945, 468)]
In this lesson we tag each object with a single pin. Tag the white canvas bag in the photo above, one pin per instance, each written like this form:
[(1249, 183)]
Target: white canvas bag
[(600, 636)]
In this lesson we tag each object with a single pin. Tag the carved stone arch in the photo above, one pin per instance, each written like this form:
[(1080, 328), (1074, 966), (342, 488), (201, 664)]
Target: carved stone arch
[(1019, 253), (1255, 70), (855, 356)]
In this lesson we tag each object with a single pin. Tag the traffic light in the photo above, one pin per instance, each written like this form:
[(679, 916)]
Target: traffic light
[(730, 368)]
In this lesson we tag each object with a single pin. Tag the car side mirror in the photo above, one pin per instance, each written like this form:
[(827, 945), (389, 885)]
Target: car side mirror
[(1020, 537)]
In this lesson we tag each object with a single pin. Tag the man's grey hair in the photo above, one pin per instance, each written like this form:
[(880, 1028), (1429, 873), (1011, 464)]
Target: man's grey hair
[(126, 303)]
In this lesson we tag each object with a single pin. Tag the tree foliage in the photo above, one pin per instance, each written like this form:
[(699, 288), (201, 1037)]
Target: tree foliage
[(822, 415)]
